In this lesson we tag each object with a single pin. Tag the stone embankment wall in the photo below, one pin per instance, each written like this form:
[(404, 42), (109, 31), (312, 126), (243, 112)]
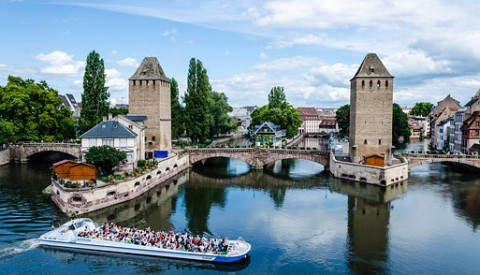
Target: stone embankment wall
[(83, 200), (382, 176), (4, 156)]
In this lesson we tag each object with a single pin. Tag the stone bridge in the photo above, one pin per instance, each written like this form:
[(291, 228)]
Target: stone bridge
[(464, 160), (21, 152), (258, 157)]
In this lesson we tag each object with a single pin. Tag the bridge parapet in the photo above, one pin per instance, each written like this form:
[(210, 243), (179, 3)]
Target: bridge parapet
[(420, 159), (22, 151), (257, 158)]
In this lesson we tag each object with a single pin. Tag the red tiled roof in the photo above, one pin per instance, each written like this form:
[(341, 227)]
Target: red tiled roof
[(328, 122), (308, 113)]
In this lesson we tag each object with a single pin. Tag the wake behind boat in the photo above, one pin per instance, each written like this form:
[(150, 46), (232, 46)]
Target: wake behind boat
[(83, 233)]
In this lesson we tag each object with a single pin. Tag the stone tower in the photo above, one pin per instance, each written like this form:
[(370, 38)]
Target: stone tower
[(371, 100), (149, 94)]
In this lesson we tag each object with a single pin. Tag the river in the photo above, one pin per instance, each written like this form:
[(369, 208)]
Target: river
[(298, 219)]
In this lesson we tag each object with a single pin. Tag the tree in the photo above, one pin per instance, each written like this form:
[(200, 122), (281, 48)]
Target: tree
[(219, 109), (6, 131), (400, 124), (115, 111), (197, 116), (421, 109), (178, 120), (105, 157), (278, 111), (95, 94), (276, 98), (343, 119), (35, 111)]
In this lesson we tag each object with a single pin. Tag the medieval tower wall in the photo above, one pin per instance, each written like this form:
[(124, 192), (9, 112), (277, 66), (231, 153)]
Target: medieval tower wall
[(149, 94), (371, 101)]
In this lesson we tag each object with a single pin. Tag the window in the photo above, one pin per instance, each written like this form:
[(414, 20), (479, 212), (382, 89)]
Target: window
[(371, 84), (107, 141), (386, 83), (92, 142), (153, 82), (153, 138), (378, 84), (140, 83), (134, 83), (123, 142), (476, 132), (147, 83), (365, 142), (379, 142), (363, 84), (478, 123)]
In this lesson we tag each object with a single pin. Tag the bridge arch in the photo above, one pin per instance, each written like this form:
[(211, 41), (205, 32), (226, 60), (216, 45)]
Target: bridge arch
[(22, 152)]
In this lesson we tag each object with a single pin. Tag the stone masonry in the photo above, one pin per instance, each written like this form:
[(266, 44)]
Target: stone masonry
[(371, 100), (149, 94)]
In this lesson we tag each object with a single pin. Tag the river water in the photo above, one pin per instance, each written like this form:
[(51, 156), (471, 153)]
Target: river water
[(298, 219)]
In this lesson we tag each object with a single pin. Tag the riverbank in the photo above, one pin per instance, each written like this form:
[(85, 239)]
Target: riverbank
[(75, 201)]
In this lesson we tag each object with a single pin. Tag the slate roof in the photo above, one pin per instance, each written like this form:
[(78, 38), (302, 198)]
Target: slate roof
[(273, 127), (468, 123), (109, 129), (372, 66), (135, 118), (475, 148), (150, 69)]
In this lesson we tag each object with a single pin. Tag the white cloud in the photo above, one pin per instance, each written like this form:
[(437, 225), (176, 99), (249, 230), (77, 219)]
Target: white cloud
[(60, 63), (114, 80), (409, 63), (78, 82), (171, 32), (128, 62), (113, 52), (263, 55)]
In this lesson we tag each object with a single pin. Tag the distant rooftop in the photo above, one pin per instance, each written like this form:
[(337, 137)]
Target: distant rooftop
[(109, 129)]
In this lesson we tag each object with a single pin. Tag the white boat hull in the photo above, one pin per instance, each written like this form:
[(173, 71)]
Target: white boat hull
[(67, 239)]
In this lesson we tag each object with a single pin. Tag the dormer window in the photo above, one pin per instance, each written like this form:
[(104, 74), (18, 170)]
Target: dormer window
[(371, 69)]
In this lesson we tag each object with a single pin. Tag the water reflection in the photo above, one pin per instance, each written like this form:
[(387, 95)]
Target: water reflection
[(154, 208), (368, 222)]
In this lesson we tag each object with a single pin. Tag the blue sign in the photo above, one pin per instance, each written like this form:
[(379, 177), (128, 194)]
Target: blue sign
[(160, 154)]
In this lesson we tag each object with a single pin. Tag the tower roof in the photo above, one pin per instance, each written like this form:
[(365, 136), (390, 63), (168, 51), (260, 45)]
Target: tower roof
[(372, 66), (150, 69)]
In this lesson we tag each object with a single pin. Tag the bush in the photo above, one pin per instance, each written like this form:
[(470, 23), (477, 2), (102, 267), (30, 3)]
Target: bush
[(141, 163)]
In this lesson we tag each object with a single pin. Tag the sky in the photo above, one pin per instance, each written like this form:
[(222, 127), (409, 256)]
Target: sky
[(312, 48)]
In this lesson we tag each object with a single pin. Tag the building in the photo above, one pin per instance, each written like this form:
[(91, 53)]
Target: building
[(149, 95), (242, 115), (370, 157), (120, 133), (473, 105), (445, 109), (310, 121), (328, 126), (418, 127), (371, 100), (71, 103), (268, 134), (75, 171), (471, 132), (457, 139), (326, 112)]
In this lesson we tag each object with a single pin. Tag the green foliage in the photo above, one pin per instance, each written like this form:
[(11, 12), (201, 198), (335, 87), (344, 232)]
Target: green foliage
[(197, 116), (6, 131), (34, 111), (343, 119), (141, 163), (276, 97), (95, 94), (114, 111), (219, 109), (421, 109), (280, 113), (400, 124), (178, 112), (105, 157)]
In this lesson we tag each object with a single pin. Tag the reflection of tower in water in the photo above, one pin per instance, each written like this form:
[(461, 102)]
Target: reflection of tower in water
[(368, 220)]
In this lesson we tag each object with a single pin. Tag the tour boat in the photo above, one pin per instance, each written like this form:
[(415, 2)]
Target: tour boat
[(67, 236)]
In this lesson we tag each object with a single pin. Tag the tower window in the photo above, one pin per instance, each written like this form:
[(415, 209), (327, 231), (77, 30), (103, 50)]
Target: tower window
[(378, 84), (386, 83), (365, 142), (363, 84), (140, 83), (146, 83), (134, 83), (153, 138), (371, 69), (371, 84), (379, 142), (153, 82)]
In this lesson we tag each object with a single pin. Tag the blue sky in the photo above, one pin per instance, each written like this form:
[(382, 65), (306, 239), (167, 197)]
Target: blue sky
[(310, 47)]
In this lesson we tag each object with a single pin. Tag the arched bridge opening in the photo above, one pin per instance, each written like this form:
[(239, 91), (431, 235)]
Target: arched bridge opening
[(222, 167), (295, 168), (50, 156)]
